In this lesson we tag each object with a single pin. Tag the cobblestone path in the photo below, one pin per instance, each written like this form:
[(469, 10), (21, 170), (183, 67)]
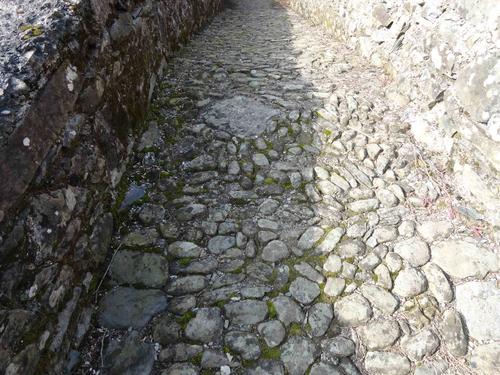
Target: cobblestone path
[(278, 219)]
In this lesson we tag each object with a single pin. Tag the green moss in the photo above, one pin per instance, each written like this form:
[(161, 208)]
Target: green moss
[(185, 318), (239, 201), (324, 298), (247, 363), (272, 310), (150, 149), (270, 353), (221, 304), (295, 329), (196, 360), (287, 185), (375, 278), (184, 262), (349, 260), (273, 294), (175, 193), (269, 181), (32, 31), (327, 132)]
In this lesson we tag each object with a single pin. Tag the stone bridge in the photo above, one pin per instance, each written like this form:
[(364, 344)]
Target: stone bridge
[(249, 187)]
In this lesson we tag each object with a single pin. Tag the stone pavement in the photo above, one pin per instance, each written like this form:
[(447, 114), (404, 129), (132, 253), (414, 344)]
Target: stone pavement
[(278, 219)]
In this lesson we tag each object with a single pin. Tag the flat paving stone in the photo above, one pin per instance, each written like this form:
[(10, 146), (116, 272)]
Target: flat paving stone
[(246, 312), (124, 307), (133, 267)]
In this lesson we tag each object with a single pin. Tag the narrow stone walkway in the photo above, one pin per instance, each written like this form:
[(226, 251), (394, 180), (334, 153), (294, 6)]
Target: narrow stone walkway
[(278, 219)]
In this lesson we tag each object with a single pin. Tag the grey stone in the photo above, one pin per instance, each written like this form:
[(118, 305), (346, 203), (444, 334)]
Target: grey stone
[(410, 282), (264, 237), (273, 332), (266, 224), (386, 363), (476, 87), (319, 318), (268, 207), (433, 368), (383, 276), (479, 303), (385, 234), (233, 168), (351, 248), (246, 312), (183, 249), (331, 240), (462, 259), (275, 251), (180, 305), (438, 283), (181, 369), (166, 330), (407, 228), (357, 230), (380, 298), (310, 237), (380, 334), (306, 270), (321, 173), (191, 211), (202, 266), (485, 359), (339, 346), (180, 352), (452, 332), (421, 345), (393, 262), (431, 231), (327, 188), (243, 343), (369, 262), (124, 307), (151, 213), (324, 368), (352, 310), (334, 286), (260, 160), (387, 198), (267, 367), (129, 357), (297, 354), (132, 267), (304, 291), (339, 181), (413, 250), (288, 310), (333, 264), (206, 326), (141, 238), (217, 245), (215, 359), (186, 285), (364, 205), (241, 116)]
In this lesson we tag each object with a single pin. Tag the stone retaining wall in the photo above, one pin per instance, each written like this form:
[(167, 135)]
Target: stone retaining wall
[(71, 110), (443, 56)]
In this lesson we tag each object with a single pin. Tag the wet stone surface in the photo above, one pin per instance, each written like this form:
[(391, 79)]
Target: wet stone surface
[(281, 227)]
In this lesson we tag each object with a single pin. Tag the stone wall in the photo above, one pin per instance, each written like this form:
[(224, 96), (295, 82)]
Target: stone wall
[(73, 98), (443, 56)]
